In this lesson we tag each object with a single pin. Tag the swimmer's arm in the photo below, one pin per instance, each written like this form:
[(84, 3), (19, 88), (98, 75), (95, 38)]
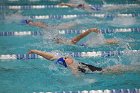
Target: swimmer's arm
[(68, 4), (38, 24), (111, 41), (65, 25), (46, 55), (82, 35)]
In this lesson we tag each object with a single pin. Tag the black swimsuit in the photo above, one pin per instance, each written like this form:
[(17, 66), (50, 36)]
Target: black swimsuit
[(83, 68)]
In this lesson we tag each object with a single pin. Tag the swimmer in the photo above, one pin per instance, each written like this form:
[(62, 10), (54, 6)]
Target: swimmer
[(38, 24), (76, 39), (77, 67), (45, 26), (67, 62), (84, 6), (105, 7)]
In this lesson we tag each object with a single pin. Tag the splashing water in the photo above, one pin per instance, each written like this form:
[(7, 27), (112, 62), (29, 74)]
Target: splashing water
[(14, 18), (122, 68), (123, 21), (77, 1), (95, 40), (108, 7)]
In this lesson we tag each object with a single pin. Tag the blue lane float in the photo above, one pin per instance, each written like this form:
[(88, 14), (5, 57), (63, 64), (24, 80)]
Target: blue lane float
[(73, 54), (38, 33)]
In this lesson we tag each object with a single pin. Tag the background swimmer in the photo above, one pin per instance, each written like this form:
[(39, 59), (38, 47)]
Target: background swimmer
[(46, 26), (84, 6), (105, 7), (82, 35)]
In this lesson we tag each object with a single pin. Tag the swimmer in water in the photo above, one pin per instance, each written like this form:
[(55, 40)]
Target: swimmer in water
[(45, 26), (76, 39), (105, 7), (76, 67), (38, 24), (67, 62), (84, 6)]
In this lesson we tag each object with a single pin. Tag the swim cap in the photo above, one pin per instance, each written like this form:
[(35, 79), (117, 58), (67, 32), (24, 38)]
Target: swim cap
[(61, 61), (25, 21)]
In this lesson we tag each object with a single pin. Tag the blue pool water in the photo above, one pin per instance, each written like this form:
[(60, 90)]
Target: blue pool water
[(35, 75)]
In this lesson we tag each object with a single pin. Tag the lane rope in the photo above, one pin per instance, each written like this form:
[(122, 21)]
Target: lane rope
[(38, 33), (108, 16), (24, 7), (73, 54)]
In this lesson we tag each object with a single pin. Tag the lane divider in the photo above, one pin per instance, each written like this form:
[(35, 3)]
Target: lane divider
[(73, 54), (108, 16), (23, 33), (38, 33), (24, 7), (100, 91), (32, 0)]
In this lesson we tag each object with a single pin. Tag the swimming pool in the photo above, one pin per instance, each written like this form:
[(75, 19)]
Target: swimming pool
[(37, 74)]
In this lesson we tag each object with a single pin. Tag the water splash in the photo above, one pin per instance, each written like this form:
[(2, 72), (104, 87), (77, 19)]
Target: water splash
[(14, 18), (108, 7), (122, 68), (123, 21), (95, 40), (77, 1)]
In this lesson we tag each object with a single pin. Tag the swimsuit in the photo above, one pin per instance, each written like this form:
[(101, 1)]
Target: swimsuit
[(87, 68), (82, 67)]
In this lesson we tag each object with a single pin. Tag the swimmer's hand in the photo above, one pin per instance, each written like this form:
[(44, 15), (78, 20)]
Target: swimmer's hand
[(62, 4), (31, 51), (94, 30)]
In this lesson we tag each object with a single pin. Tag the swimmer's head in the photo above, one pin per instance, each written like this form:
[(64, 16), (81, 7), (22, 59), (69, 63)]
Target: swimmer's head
[(26, 21), (68, 60), (64, 61), (80, 6), (58, 40)]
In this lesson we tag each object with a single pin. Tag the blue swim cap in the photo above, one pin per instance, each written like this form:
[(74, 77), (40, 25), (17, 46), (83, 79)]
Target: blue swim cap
[(61, 61), (25, 21)]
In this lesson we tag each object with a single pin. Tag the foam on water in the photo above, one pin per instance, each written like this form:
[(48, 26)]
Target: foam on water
[(123, 21), (88, 80), (17, 17), (95, 40), (119, 7), (77, 1), (122, 68)]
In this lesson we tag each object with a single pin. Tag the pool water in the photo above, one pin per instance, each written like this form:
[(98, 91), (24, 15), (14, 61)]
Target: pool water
[(35, 75)]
